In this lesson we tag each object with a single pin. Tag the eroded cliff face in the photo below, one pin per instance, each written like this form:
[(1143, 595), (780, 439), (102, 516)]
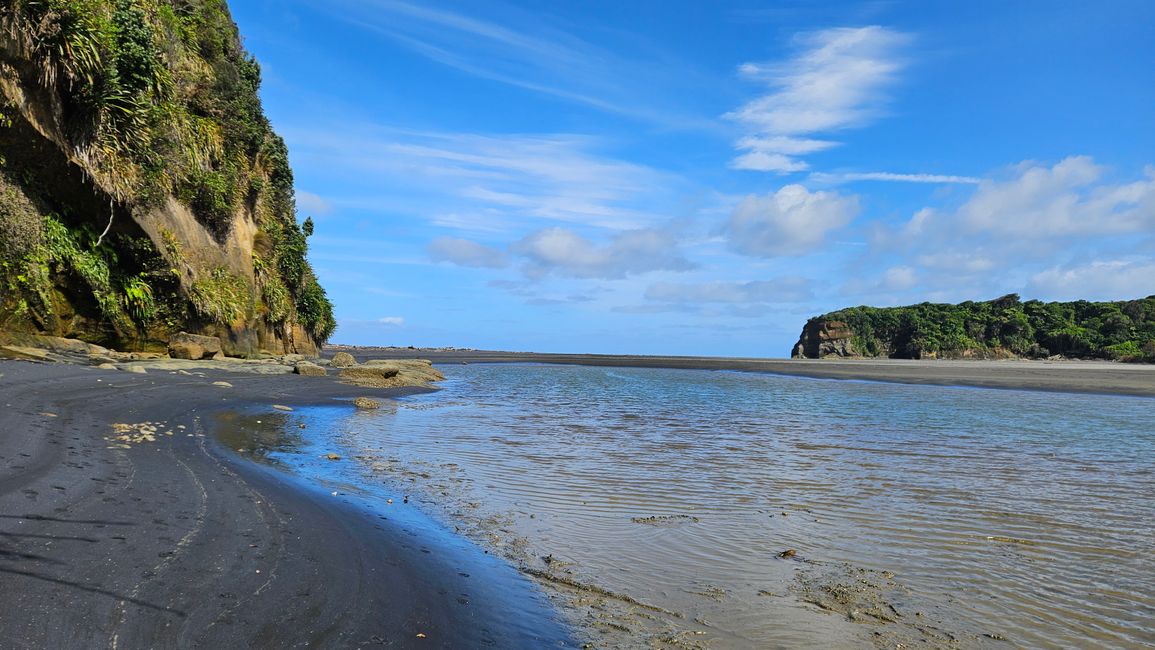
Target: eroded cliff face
[(142, 191), (822, 338)]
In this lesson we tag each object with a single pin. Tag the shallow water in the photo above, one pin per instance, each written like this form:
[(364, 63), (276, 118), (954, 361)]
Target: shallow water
[(919, 515)]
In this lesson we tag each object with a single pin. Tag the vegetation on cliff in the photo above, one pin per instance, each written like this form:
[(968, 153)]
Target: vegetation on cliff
[(1005, 327), (110, 110)]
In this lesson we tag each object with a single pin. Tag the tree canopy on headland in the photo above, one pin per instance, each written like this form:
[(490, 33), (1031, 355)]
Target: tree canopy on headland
[(1004, 327)]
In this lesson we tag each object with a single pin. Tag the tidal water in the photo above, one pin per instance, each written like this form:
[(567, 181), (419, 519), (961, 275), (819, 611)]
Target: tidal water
[(685, 508)]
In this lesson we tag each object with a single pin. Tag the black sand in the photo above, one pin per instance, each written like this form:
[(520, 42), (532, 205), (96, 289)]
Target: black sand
[(177, 543)]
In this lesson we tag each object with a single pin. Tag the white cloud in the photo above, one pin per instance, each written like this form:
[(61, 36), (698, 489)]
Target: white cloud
[(1030, 212), (1100, 280), (791, 221), (395, 321), (627, 253), (893, 280), (781, 290), (1065, 199), (1061, 231), (837, 82), (313, 204), (464, 252)]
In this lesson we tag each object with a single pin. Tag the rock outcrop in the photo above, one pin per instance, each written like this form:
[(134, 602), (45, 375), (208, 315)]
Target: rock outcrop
[(822, 338), (381, 373), (194, 347)]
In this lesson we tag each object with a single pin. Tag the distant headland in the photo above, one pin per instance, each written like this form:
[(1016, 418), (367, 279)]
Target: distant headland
[(1004, 328)]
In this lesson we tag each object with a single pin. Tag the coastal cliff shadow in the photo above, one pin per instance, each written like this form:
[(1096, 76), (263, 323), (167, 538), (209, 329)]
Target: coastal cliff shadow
[(95, 590)]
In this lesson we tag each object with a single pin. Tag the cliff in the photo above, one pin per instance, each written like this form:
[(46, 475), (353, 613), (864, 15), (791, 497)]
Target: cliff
[(1001, 328), (142, 190)]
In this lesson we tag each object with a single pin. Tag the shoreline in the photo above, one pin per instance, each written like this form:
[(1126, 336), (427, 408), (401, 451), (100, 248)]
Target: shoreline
[(156, 536), (1067, 376)]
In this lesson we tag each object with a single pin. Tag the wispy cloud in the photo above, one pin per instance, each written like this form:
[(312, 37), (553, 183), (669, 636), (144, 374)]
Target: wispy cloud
[(489, 180), (1103, 279), (523, 50), (838, 81), (464, 252), (557, 250), (395, 321), (781, 290), (850, 177)]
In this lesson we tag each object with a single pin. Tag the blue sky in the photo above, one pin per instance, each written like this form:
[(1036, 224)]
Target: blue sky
[(675, 177)]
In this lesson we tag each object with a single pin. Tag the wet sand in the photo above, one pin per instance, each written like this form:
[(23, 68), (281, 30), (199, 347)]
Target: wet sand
[(1103, 377), (151, 535)]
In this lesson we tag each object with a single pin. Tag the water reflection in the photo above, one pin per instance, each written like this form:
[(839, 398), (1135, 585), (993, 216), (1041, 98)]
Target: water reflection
[(914, 514)]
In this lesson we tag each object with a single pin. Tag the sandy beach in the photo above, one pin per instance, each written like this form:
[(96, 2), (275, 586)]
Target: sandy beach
[(124, 523), (151, 535), (1071, 376)]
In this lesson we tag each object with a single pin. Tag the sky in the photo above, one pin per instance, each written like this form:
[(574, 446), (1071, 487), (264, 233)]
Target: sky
[(701, 177)]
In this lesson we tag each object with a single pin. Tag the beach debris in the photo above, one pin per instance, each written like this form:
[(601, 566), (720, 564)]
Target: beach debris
[(366, 403), (47, 414), (125, 435), (389, 501), (301, 425), (343, 360), (666, 520), (282, 407), (222, 384), (713, 593), (420, 635), (788, 553), (1009, 540), (332, 456)]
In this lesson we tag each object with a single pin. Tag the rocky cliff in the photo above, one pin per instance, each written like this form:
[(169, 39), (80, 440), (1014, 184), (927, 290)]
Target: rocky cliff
[(1002, 328), (142, 190)]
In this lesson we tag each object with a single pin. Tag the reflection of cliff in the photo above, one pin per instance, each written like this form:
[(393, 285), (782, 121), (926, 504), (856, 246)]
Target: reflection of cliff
[(1001, 328), (142, 191)]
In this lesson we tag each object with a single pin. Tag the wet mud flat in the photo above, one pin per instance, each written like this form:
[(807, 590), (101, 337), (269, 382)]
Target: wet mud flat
[(124, 524), (784, 514)]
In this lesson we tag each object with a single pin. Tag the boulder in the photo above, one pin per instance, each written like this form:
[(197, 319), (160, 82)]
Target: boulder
[(194, 347), (343, 360), (307, 369), (366, 403)]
